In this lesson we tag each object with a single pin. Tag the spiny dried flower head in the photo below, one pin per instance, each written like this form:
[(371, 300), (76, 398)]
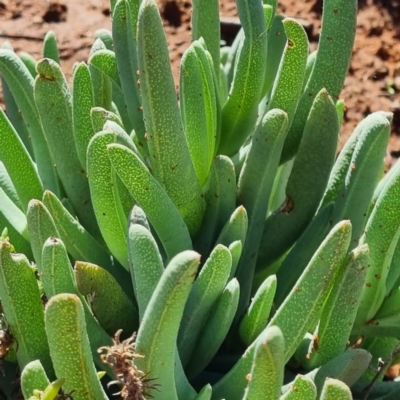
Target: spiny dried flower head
[(134, 383)]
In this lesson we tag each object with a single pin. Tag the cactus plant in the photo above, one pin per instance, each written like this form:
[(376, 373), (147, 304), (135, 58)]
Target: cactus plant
[(221, 250)]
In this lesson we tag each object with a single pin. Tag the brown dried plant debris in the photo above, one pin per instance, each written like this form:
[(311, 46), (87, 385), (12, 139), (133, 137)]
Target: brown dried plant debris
[(65, 396), (61, 395), (120, 357), (6, 338)]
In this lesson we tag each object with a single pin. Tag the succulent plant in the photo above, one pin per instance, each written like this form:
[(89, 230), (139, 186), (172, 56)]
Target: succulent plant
[(206, 247)]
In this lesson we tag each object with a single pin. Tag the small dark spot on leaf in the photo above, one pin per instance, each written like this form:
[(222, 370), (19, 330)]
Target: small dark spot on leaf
[(48, 78)]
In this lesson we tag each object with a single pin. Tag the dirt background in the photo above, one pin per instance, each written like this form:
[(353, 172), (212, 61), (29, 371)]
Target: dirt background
[(373, 82)]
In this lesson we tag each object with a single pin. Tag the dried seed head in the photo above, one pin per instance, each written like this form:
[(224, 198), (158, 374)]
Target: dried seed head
[(134, 383)]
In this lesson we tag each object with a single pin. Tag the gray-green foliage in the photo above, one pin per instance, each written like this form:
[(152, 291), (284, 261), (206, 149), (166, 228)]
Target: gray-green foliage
[(221, 228)]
